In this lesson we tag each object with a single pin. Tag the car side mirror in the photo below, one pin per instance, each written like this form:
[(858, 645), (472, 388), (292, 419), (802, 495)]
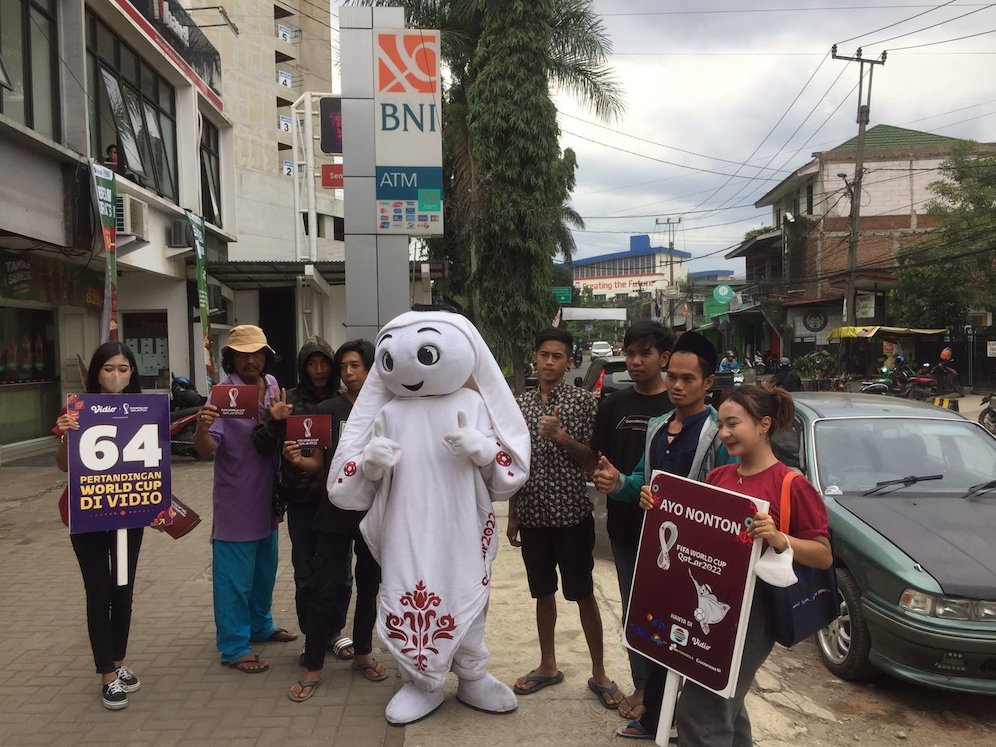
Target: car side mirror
[(578, 381)]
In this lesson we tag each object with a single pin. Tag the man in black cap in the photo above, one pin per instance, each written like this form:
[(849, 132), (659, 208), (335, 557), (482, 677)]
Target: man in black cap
[(682, 442)]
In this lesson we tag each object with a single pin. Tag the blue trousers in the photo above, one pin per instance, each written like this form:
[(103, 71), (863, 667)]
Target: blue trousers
[(244, 574)]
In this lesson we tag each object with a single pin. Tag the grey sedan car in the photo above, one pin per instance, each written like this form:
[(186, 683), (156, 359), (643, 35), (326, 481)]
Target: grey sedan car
[(910, 490)]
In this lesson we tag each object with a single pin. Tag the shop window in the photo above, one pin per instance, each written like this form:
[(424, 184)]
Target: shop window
[(28, 45), (29, 392), (146, 335)]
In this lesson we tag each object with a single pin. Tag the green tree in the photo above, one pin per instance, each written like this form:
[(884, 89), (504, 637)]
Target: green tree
[(520, 189), (952, 271), (573, 60)]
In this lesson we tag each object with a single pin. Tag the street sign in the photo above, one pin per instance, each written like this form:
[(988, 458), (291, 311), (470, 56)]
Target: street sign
[(562, 293), (722, 293), (694, 581)]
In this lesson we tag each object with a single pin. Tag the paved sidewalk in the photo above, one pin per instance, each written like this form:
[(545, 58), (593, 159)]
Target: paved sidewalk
[(50, 695)]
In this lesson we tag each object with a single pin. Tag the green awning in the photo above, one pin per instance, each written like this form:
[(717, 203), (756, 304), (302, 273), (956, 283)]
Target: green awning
[(886, 333)]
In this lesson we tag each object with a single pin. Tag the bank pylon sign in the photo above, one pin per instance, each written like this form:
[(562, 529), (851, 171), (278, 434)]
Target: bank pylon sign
[(408, 142)]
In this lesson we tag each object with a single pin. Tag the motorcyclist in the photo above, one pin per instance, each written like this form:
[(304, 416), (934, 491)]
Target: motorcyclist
[(729, 363), (786, 377)]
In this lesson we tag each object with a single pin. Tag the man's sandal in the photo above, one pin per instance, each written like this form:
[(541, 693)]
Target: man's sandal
[(282, 635), (370, 671), (307, 690), (249, 664), (339, 647)]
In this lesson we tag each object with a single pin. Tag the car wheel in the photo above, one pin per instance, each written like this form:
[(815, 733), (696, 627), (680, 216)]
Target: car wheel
[(844, 644), (987, 419)]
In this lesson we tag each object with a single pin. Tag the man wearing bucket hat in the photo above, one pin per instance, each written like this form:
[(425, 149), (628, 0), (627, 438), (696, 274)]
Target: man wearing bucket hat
[(244, 534)]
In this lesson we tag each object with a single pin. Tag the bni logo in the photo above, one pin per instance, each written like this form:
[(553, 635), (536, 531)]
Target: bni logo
[(407, 62)]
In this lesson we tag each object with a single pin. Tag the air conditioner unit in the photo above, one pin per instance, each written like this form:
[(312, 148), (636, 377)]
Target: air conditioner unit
[(181, 234), (133, 217)]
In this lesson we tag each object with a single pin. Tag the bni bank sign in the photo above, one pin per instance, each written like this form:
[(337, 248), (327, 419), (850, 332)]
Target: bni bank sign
[(409, 146)]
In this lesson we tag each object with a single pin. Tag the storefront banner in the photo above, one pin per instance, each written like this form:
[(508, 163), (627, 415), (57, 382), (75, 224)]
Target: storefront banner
[(200, 268), (694, 581), (310, 431), (408, 132), (236, 401), (48, 281), (119, 461), (105, 198)]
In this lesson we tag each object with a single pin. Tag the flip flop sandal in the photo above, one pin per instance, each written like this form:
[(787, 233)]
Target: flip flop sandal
[(541, 680), (339, 646), (370, 671), (249, 665), (629, 710), (611, 689), (307, 690), (282, 635), (636, 726)]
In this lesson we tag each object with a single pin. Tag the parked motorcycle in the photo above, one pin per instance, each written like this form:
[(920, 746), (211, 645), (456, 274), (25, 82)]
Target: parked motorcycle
[(898, 382), (987, 418), (938, 380), (185, 403)]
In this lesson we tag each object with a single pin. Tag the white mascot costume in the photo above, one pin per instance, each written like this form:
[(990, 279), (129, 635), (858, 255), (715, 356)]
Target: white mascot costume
[(434, 437)]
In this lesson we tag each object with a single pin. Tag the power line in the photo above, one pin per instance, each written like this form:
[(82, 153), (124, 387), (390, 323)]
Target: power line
[(945, 41), (730, 11), (659, 160), (927, 28), (897, 23)]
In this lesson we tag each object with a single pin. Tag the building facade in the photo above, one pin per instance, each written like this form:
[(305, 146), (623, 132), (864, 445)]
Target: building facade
[(798, 270), (138, 87)]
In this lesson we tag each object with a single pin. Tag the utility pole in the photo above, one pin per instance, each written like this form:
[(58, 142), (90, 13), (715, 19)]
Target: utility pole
[(671, 224), (854, 188)]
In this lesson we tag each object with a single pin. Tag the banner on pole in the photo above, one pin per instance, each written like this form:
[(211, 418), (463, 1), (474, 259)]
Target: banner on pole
[(694, 581), (119, 461), (200, 268), (105, 199)]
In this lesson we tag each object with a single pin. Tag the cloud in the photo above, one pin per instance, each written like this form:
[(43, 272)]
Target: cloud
[(717, 83)]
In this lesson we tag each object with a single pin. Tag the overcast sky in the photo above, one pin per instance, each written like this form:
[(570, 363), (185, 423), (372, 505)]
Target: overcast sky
[(716, 83)]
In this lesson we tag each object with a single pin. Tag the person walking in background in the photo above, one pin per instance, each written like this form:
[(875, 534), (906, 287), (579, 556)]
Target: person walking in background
[(337, 537), (620, 435), (244, 533), (682, 442), (746, 422), (553, 514), (301, 490), (112, 370)]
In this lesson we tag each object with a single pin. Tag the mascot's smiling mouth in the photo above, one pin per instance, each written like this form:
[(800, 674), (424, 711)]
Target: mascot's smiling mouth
[(413, 387)]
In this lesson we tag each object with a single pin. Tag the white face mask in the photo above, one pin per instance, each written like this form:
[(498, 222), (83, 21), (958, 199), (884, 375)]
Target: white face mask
[(776, 568)]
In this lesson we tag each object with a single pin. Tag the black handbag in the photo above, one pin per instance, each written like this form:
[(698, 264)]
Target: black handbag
[(809, 605)]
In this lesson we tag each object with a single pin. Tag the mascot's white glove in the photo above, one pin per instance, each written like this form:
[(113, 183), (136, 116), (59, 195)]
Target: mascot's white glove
[(381, 454), (470, 442)]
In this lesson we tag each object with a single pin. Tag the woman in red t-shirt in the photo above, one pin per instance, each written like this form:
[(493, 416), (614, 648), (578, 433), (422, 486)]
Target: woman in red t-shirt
[(746, 421), (112, 370)]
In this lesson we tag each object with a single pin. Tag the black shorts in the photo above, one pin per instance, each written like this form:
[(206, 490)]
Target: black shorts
[(544, 549)]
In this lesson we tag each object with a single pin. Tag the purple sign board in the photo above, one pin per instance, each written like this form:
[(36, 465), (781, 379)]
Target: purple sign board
[(694, 581), (119, 461)]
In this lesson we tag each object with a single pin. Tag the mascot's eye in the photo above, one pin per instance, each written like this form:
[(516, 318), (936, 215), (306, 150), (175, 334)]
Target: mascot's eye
[(428, 355), (387, 361)]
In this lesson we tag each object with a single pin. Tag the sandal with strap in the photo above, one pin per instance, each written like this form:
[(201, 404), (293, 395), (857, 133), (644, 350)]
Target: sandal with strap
[(307, 690), (249, 664), (339, 646), (370, 671)]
